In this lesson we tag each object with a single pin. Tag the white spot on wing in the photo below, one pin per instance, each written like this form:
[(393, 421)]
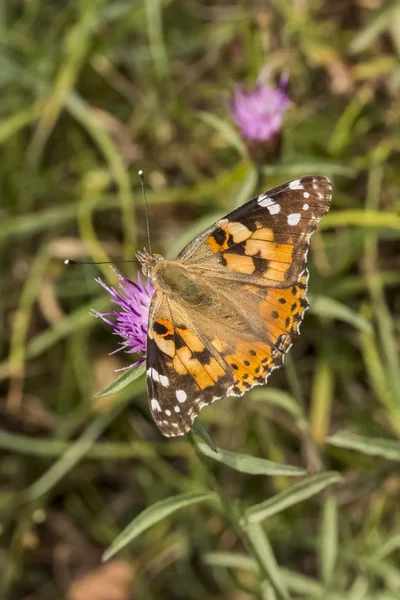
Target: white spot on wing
[(265, 200), (181, 395), (168, 413), (305, 206), (177, 409), (274, 209), (296, 185), (164, 380), (293, 219), (155, 405), (306, 195)]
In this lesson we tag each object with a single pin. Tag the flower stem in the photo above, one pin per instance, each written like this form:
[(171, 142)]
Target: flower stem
[(233, 513)]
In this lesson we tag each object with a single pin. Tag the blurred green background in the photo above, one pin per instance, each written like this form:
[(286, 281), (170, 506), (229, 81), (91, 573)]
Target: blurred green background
[(91, 92)]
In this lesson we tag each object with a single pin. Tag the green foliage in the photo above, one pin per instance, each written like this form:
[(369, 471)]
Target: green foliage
[(91, 93)]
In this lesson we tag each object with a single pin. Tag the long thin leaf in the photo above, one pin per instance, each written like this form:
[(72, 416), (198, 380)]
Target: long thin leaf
[(152, 515), (225, 129), (297, 493), (250, 464), (199, 429), (295, 582), (278, 398), (329, 539), (371, 446), (75, 453), (122, 381), (333, 309), (267, 559)]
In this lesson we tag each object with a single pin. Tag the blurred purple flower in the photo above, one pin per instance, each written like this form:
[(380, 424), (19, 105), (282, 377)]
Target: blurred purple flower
[(131, 320), (259, 114)]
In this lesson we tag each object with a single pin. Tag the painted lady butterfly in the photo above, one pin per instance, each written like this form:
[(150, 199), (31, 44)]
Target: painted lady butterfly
[(226, 311)]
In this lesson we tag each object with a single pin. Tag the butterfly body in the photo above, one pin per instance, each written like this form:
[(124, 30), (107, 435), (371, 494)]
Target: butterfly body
[(226, 311)]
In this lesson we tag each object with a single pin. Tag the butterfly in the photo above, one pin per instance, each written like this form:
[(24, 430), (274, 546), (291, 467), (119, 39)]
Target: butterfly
[(226, 311)]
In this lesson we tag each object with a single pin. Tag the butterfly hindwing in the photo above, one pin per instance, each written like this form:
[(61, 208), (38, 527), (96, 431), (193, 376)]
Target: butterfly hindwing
[(184, 371), (265, 241), (278, 312)]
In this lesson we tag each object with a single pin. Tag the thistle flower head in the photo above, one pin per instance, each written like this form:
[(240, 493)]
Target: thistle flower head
[(259, 114), (130, 321)]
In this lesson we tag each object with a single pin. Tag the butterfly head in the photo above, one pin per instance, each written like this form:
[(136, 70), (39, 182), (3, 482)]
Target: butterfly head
[(149, 262)]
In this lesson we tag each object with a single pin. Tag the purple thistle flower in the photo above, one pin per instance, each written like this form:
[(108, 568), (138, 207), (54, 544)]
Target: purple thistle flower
[(259, 114), (131, 321)]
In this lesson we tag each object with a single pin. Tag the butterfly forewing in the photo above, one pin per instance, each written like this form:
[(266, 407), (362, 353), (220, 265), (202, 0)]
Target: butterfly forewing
[(265, 241)]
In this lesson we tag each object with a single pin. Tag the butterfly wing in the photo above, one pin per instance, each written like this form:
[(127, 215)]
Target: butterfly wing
[(265, 241), (184, 370), (274, 316), (193, 360), (254, 263)]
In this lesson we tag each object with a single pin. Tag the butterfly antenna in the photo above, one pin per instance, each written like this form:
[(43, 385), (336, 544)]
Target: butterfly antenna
[(69, 261), (141, 175)]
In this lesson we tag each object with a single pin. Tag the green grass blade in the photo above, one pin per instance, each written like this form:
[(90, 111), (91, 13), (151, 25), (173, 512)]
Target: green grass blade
[(126, 378), (297, 493), (152, 515), (278, 398), (333, 309), (225, 129), (75, 453), (389, 449), (250, 464), (322, 395), (265, 554), (389, 546), (295, 582), (48, 447), (247, 188), (329, 539), (157, 46), (231, 560), (361, 218), (376, 26), (199, 429), (77, 321)]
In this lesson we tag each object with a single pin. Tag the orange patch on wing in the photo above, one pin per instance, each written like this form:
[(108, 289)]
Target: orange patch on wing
[(238, 231), (216, 246), (161, 332), (250, 363), (268, 250), (178, 366), (191, 339), (275, 273), (214, 369), (283, 310), (166, 346), (226, 229), (165, 324), (240, 263), (218, 345), (219, 241), (263, 233), (195, 368)]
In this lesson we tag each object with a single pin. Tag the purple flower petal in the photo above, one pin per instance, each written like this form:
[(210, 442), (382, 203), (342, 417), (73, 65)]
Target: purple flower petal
[(130, 322), (259, 114)]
